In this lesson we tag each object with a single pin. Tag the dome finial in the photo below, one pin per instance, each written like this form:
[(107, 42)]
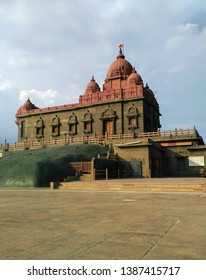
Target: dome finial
[(120, 55), (134, 70), (121, 46)]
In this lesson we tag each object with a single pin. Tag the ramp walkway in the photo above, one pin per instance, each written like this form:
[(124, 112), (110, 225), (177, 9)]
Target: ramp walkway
[(151, 184)]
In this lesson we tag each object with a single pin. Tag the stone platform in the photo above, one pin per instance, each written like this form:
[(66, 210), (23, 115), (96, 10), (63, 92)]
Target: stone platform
[(155, 184), (45, 224)]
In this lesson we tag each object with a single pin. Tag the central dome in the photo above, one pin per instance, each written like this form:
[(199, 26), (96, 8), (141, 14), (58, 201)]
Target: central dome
[(120, 67)]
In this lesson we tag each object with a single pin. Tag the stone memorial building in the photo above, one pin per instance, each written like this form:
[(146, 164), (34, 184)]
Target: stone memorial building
[(124, 114), (123, 105)]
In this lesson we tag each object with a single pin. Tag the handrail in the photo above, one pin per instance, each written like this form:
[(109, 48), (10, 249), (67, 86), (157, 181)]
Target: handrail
[(95, 139)]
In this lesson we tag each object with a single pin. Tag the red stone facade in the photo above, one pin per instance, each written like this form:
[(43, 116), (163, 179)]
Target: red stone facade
[(124, 105)]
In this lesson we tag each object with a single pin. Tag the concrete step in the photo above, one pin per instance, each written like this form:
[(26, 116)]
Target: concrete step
[(137, 186), (85, 177)]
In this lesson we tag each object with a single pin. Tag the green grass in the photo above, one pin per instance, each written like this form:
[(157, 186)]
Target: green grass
[(37, 168)]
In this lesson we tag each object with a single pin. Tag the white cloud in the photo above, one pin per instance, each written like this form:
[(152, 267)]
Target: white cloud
[(113, 9), (188, 27), (28, 61), (6, 85), (44, 98), (174, 42), (74, 88), (176, 68), (182, 36)]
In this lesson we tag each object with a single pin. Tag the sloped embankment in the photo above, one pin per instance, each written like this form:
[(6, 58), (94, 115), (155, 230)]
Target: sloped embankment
[(37, 168)]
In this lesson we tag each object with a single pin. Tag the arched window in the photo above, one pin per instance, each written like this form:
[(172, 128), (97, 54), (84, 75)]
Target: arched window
[(87, 121), (23, 129), (39, 125), (72, 124), (55, 125), (132, 117)]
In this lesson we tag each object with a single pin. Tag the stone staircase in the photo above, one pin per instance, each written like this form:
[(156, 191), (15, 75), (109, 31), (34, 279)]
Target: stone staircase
[(85, 177), (83, 170), (134, 185)]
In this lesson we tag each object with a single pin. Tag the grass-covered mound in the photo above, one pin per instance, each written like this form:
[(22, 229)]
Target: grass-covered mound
[(37, 168)]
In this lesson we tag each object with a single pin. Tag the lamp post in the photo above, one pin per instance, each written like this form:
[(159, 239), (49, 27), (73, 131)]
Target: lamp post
[(65, 138), (5, 145), (26, 143)]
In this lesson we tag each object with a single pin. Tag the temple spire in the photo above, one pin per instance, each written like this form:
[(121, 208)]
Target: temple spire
[(120, 55), (121, 48)]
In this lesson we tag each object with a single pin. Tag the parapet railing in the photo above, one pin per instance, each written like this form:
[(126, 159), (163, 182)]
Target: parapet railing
[(103, 139), (168, 133)]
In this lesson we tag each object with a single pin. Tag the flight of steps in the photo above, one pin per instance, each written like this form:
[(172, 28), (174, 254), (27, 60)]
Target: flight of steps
[(137, 185), (85, 177)]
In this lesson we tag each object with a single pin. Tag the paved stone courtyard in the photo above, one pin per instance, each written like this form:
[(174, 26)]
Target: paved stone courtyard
[(73, 224)]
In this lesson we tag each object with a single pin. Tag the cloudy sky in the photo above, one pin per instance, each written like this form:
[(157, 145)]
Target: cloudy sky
[(49, 49)]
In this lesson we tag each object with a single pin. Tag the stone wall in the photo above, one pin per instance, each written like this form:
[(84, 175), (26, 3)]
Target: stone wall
[(118, 112)]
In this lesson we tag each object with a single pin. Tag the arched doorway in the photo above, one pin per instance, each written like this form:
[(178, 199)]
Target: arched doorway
[(108, 121), (108, 127)]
